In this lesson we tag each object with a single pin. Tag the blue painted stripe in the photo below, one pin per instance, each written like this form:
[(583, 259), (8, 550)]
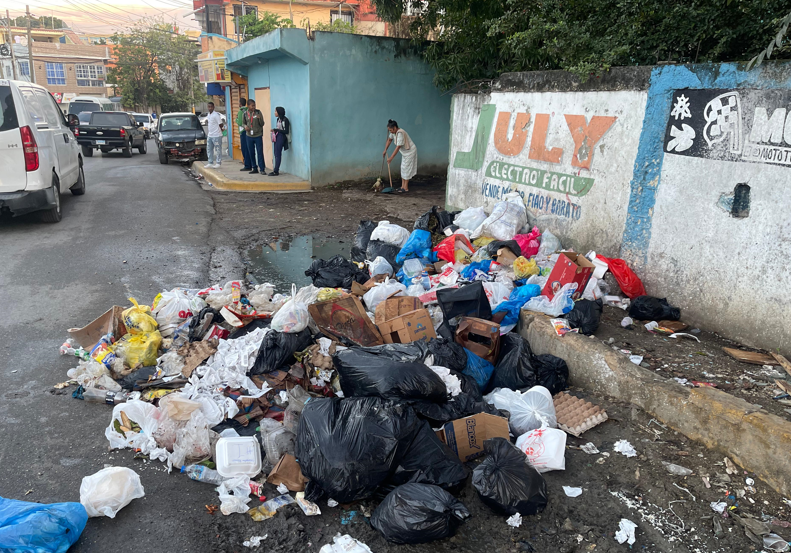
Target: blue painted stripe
[(648, 164)]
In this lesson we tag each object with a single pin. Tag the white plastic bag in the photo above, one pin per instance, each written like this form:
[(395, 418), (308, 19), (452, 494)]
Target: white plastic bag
[(452, 382), (142, 414), (545, 448), (345, 544), (560, 304), (173, 308), (307, 295), (110, 490), (261, 297), (192, 442), (292, 317), (496, 293), (234, 495), (380, 266), (391, 234), (171, 363), (470, 219), (381, 292), (506, 219), (529, 410)]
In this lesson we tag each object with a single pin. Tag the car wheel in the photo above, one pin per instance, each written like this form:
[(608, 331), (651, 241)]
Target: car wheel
[(86, 151), (53, 215), (128, 149), (79, 188), (142, 148), (163, 158)]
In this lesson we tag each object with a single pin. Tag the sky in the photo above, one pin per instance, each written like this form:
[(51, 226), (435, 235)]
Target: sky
[(104, 16)]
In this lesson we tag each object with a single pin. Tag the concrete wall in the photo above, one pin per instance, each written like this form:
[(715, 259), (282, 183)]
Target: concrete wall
[(656, 155)]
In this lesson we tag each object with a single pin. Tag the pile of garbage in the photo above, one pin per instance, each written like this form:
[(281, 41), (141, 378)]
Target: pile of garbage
[(387, 378)]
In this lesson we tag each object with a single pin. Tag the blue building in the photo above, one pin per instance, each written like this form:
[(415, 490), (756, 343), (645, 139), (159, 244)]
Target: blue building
[(338, 91)]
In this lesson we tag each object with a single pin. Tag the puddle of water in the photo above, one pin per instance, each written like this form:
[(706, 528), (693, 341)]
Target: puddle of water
[(285, 261)]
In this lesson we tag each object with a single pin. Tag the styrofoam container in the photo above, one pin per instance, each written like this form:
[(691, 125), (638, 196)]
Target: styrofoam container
[(238, 456)]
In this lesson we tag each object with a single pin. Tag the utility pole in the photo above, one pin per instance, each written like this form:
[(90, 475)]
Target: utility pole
[(206, 12), (30, 47), (290, 13), (11, 43)]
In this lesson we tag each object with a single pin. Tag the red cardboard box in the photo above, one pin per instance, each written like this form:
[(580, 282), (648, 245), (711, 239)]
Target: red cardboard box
[(571, 267)]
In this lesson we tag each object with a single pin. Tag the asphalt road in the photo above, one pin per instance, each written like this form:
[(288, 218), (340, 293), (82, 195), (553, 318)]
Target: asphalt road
[(140, 228)]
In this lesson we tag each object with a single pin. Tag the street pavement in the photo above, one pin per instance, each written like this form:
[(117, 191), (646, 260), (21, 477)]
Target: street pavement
[(140, 228)]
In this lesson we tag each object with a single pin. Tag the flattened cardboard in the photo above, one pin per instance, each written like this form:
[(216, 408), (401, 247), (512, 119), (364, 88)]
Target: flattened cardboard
[(570, 267), (195, 353), (410, 327), (346, 318), (466, 436), (480, 337), (395, 307), (752, 357), (89, 335), (360, 289), (288, 473)]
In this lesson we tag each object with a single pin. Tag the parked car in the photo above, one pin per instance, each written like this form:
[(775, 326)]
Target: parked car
[(148, 122), (180, 136), (110, 130), (39, 156)]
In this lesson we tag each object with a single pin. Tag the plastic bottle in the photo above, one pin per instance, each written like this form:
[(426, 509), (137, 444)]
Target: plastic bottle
[(203, 474), (95, 395), (68, 349)]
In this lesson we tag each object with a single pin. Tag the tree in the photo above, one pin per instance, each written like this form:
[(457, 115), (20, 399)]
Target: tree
[(480, 39), (775, 45), (251, 25)]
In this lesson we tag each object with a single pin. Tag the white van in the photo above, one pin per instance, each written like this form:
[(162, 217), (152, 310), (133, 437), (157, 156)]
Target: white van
[(39, 156), (80, 104), (149, 122)]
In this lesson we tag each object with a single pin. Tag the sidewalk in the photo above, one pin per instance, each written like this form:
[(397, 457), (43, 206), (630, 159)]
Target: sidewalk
[(230, 177)]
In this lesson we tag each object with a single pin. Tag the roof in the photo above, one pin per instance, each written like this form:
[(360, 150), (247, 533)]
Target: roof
[(175, 113)]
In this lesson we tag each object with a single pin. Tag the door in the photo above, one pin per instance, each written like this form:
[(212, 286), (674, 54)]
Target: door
[(13, 176), (44, 133), (237, 92), (263, 103), (65, 144)]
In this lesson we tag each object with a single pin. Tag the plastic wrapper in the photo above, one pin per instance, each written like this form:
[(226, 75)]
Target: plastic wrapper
[(418, 245), (361, 240), (293, 317), (467, 301), (562, 302), (429, 461), (549, 245), (418, 513), (40, 528), (390, 234), (138, 319), (446, 249), (524, 268), (365, 374), (192, 442), (345, 544), (110, 490), (585, 316), (507, 483), (380, 266), (514, 369), (171, 363), (472, 271), (234, 495), (545, 448), (628, 281), (480, 369), (529, 410), (648, 308), (89, 374), (336, 272), (471, 218), (348, 447), (381, 292), (529, 242), (277, 350), (506, 219), (516, 301)]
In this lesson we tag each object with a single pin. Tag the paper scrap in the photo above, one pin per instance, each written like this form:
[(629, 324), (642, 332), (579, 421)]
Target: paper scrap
[(515, 520), (332, 503), (562, 327), (572, 492), (636, 359), (625, 531), (718, 506), (254, 541), (625, 448)]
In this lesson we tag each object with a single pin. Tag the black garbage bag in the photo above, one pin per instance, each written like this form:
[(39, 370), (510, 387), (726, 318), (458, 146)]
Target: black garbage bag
[(585, 316), (448, 354), (463, 405), (361, 240), (411, 352), (335, 273), (649, 308), (429, 461), (553, 372), (278, 348), (513, 245), (506, 482), (348, 447), (467, 301), (365, 374), (514, 368), (202, 321), (135, 378), (378, 248), (435, 220), (418, 513)]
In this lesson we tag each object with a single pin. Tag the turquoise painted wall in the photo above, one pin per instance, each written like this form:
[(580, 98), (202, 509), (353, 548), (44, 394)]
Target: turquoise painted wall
[(357, 83)]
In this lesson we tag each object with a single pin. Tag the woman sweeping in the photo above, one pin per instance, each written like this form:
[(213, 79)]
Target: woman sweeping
[(408, 151)]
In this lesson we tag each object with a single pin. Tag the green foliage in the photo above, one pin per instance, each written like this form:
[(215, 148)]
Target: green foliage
[(154, 66), (251, 25), (480, 39), (337, 26), (775, 45), (43, 22)]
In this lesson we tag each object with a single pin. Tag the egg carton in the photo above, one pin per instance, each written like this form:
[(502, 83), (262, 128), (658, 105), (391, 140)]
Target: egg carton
[(575, 415)]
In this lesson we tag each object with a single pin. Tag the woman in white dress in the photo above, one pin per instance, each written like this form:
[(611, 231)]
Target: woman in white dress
[(408, 151)]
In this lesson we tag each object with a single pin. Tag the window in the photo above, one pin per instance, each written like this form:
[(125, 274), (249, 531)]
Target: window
[(24, 68), (237, 13), (33, 105), (8, 118), (179, 123), (50, 108), (346, 17), (110, 119), (89, 75), (142, 118), (216, 16), (56, 74)]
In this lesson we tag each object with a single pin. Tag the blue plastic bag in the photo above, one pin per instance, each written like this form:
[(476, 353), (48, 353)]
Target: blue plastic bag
[(518, 298), (480, 369), (40, 528), (469, 271), (417, 245)]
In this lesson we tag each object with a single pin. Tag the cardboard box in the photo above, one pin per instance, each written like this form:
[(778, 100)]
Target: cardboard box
[(89, 335), (410, 327), (570, 267), (346, 318), (288, 473), (480, 337), (395, 307), (506, 257), (466, 436)]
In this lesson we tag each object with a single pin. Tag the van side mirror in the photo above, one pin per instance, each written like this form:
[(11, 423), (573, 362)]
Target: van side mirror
[(73, 120)]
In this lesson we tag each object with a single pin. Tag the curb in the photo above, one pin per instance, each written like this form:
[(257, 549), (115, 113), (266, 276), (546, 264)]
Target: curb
[(752, 437), (221, 182)]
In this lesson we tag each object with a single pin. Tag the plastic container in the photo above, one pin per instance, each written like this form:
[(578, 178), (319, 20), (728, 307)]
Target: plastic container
[(203, 474), (277, 439), (412, 267), (238, 457)]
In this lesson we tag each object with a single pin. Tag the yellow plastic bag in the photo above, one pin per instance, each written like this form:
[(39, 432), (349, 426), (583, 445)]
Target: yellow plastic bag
[(326, 294), (139, 350), (482, 241), (138, 319), (524, 268)]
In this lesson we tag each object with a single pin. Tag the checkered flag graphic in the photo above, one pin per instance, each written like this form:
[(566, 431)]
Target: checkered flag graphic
[(723, 117)]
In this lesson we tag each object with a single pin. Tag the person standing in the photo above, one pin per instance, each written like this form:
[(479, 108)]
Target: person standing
[(281, 131), (214, 124), (243, 135), (254, 126), (408, 151)]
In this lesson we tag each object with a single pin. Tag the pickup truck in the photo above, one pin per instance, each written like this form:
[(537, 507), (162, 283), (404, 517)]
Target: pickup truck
[(110, 130)]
